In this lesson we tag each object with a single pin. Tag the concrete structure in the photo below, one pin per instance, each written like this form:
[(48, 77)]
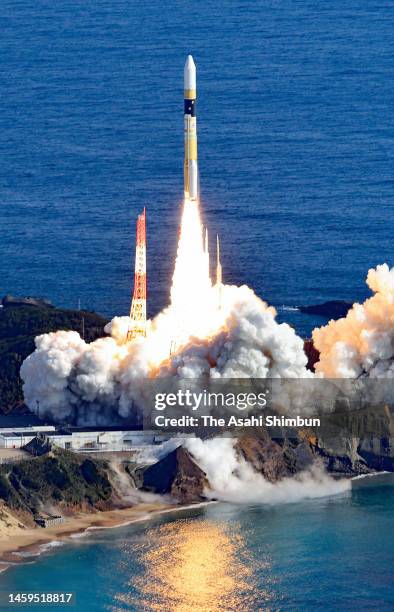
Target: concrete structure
[(13, 455), (88, 439), (31, 429), (16, 438), (104, 440), (49, 521)]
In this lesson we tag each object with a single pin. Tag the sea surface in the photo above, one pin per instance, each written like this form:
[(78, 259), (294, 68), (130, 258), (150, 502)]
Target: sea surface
[(328, 554), (296, 145), (296, 155)]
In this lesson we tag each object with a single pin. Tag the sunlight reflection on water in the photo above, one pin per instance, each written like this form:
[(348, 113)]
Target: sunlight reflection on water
[(206, 567)]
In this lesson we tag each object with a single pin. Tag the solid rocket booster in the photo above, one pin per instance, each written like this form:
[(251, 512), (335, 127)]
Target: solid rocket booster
[(190, 167)]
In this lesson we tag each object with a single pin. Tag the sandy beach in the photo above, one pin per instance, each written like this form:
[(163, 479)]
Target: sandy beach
[(31, 540)]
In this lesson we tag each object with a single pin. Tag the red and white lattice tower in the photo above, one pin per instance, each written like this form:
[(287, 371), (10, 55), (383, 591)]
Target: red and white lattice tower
[(138, 305)]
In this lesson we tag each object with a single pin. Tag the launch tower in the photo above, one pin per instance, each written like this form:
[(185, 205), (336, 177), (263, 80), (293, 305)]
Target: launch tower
[(138, 305)]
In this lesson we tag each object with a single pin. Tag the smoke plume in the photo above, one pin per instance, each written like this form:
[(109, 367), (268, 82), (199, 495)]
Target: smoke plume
[(97, 383), (212, 331), (362, 343), (217, 331), (234, 480)]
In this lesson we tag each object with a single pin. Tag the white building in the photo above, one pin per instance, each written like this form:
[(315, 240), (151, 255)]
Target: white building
[(104, 440), (33, 429), (85, 440), (16, 438)]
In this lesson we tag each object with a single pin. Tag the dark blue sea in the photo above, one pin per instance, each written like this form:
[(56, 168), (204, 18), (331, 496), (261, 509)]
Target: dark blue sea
[(330, 554), (296, 145), (296, 154)]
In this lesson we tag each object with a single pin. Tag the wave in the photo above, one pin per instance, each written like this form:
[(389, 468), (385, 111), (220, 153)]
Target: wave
[(289, 308), (38, 550), (150, 515), (373, 474)]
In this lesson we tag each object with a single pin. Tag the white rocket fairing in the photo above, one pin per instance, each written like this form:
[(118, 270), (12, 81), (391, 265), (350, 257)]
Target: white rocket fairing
[(190, 162)]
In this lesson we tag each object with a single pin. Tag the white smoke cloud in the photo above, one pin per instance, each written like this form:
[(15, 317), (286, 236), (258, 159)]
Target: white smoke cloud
[(362, 343), (67, 379), (153, 454), (232, 479), (46, 374), (214, 332), (101, 381)]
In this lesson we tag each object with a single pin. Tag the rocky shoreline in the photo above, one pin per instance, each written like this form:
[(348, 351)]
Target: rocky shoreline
[(179, 475)]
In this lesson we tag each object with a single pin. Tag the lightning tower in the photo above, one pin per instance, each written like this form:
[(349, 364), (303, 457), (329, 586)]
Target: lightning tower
[(219, 274), (138, 305), (206, 250)]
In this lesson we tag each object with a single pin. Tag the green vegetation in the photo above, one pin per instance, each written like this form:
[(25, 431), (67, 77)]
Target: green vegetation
[(61, 478), (19, 325)]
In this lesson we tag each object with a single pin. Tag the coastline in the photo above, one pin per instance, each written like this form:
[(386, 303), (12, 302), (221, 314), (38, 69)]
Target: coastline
[(32, 543), (29, 544)]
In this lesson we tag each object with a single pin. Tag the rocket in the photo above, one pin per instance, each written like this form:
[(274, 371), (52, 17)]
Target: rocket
[(190, 167)]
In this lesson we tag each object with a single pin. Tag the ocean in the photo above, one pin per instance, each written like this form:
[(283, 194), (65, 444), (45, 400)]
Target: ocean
[(296, 157), (296, 145), (325, 554)]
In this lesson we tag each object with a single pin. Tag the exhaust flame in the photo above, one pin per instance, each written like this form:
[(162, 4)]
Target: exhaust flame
[(192, 298), (217, 330)]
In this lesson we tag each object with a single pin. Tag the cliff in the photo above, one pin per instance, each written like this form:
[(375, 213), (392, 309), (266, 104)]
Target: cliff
[(274, 459), (178, 475), (358, 442), (350, 445), (347, 443), (57, 483)]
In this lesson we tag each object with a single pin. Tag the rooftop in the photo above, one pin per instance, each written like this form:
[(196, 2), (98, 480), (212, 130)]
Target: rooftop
[(24, 434), (20, 420)]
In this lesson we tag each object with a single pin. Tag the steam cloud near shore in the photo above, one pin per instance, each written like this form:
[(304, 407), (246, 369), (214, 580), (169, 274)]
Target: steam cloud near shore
[(233, 479), (98, 382), (220, 332), (362, 343)]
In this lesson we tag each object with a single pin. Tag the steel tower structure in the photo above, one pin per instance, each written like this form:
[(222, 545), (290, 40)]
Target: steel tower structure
[(138, 305)]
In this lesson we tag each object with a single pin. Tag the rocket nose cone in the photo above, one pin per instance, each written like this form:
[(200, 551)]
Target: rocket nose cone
[(189, 73), (189, 62)]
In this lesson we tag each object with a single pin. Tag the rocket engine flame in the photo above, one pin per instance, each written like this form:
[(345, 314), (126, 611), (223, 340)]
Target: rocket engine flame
[(222, 332), (192, 298)]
